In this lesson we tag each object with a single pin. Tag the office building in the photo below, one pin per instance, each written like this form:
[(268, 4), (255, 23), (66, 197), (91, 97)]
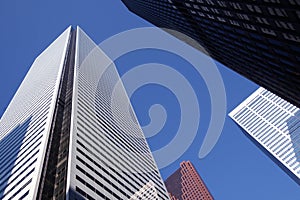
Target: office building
[(274, 125), (257, 39), (186, 184), (65, 135), (148, 191)]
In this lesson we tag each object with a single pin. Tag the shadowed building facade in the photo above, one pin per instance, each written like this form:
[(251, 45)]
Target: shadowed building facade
[(186, 184), (64, 134), (257, 39)]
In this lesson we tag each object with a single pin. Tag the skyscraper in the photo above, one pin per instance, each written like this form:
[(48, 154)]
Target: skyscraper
[(274, 125), (65, 134), (148, 191), (258, 39), (186, 184)]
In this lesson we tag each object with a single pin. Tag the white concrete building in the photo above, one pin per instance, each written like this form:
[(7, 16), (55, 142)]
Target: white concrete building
[(67, 133), (275, 125)]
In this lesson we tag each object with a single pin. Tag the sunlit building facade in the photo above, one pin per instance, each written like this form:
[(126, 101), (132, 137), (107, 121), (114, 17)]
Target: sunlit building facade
[(64, 135), (258, 39), (274, 125)]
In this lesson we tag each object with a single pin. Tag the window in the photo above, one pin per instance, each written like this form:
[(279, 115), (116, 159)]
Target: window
[(268, 31)]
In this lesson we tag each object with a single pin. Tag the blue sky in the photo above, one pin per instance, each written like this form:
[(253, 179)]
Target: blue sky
[(235, 168)]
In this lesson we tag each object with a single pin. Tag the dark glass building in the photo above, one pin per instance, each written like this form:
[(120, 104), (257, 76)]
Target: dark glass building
[(259, 39)]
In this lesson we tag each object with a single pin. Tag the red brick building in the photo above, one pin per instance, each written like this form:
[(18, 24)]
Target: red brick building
[(186, 184)]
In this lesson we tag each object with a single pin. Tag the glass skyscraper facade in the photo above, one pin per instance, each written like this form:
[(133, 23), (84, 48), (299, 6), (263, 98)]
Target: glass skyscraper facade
[(258, 39), (274, 125), (64, 135)]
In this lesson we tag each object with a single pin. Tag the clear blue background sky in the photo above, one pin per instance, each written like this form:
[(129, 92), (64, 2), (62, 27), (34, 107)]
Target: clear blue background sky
[(235, 169)]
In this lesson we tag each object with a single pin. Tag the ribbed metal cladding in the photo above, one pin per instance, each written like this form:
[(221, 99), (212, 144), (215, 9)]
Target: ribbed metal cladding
[(63, 137), (25, 126), (109, 156), (274, 125), (53, 181)]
